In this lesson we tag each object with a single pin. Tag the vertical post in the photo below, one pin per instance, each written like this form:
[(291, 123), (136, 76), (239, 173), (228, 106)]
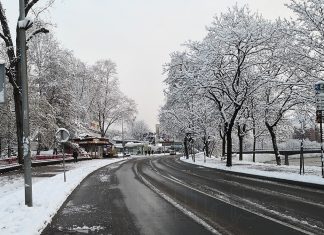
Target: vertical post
[(25, 106), (301, 159), (123, 144), (63, 150), (286, 159), (321, 130), (302, 149)]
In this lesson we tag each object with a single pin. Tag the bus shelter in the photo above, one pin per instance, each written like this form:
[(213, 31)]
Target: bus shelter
[(97, 147)]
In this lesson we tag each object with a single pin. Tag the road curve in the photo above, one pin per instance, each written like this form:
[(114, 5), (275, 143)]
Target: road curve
[(113, 200), (163, 195), (234, 204)]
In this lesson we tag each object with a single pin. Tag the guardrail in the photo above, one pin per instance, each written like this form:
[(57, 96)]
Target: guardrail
[(9, 164), (285, 153)]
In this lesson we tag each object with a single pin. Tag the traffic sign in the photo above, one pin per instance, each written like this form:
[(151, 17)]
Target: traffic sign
[(319, 116), (319, 86), (62, 135), (319, 99), (320, 106)]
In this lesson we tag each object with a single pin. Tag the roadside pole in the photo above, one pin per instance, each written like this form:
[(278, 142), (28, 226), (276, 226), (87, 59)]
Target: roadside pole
[(62, 135), (321, 130), (302, 163), (319, 97), (25, 106), (123, 144), (63, 150)]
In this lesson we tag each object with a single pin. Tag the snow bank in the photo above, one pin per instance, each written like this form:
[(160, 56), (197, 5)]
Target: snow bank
[(48, 195), (312, 173)]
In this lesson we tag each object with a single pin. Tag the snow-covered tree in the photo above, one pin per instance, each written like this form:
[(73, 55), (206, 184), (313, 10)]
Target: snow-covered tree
[(231, 59), (108, 104), (137, 129), (12, 68), (246, 73)]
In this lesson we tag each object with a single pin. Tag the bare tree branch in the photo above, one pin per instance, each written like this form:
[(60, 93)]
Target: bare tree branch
[(41, 30), (4, 38), (30, 5)]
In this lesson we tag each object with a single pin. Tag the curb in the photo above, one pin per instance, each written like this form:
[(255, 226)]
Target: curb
[(291, 182), (41, 163), (10, 168)]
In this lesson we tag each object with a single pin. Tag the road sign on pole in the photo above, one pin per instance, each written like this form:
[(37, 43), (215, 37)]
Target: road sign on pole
[(319, 98), (62, 135)]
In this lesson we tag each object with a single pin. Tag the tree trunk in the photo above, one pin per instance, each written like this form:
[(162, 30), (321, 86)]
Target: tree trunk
[(254, 143), (185, 144), (229, 143), (207, 148), (39, 140), (274, 143), (228, 131), (240, 137), (229, 147), (223, 136), (19, 124), (241, 132), (241, 148), (18, 105)]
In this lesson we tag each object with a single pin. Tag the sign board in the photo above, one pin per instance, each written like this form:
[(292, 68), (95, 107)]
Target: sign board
[(319, 99), (62, 135), (319, 86), (319, 115), (2, 84), (320, 106)]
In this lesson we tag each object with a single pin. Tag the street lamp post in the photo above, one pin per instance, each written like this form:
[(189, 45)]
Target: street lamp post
[(123, 144), (25, 106)]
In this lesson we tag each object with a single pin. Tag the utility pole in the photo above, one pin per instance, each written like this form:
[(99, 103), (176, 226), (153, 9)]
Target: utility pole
[(302, 163), (123, 144), (322, 148), (25, 106)]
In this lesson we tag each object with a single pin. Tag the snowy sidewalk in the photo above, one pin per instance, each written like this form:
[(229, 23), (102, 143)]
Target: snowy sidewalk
[(313, 174), (48, 196)]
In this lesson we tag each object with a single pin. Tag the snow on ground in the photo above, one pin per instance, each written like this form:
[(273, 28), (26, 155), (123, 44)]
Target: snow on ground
[(48, 195), (312, 173)]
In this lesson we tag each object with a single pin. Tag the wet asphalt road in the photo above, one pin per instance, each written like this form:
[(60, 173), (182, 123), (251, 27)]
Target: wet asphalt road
[(113, 201), (127, 199)]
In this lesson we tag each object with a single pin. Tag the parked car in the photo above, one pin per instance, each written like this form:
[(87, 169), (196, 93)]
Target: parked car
[(126, 154), (173, 152)]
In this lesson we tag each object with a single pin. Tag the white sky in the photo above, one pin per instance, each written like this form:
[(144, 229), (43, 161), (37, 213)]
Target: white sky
[(139, 36)]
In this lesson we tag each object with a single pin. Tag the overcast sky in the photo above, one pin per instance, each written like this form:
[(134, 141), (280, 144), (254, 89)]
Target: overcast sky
[(139, 36)]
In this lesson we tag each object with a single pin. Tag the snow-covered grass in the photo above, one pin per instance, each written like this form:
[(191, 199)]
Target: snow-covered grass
[(267, 157), (48, 195), (312, 173)]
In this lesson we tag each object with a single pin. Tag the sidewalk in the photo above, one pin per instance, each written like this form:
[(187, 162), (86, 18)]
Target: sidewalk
[(49, 192), (313, 174)]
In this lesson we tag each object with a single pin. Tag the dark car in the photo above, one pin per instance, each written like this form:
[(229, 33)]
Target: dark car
[(173, 152)]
